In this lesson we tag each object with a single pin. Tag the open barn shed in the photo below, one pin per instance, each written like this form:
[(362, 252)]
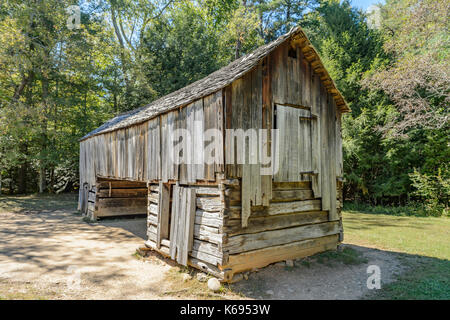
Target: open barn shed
[(218, 209)]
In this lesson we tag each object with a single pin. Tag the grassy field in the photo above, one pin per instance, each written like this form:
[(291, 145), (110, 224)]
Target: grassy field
[(423, 244)]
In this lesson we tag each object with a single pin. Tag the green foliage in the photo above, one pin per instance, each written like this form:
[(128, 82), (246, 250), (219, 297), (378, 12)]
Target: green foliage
[(434, 189), (378, 163), (412, 209), (179, 48)]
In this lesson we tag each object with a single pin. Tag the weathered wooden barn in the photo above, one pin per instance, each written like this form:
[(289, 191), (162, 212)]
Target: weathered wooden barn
[(225, 216)]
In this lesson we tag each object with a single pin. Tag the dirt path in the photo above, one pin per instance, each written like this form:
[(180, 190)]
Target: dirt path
[(55, 255), (48, 252), (318, 278)]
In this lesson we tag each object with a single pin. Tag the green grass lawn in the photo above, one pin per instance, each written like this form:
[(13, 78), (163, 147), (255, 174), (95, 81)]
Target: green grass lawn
[(423, 244)]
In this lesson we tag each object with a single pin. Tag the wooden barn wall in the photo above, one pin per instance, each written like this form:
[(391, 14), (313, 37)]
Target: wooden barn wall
[(284, 92), (205, 251), (293, 225), (143, 152)]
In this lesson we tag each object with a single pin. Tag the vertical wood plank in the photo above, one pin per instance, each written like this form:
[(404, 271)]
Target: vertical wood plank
[(172, 124), (163, 213), (182, 142), (188, 224), (246, 174), (332, 157), (219, 165), (197, 149), (256, 124), (174, 220), (227, 93), (181, 225), (266, 117), (316, 137), (325, 166)]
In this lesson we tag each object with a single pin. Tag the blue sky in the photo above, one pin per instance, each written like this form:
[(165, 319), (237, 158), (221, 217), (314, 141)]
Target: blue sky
[(364, 4)]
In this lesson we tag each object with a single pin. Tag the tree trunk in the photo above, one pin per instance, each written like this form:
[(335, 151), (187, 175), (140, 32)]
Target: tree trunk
[(237, 52), (42, 181), (44, 137), (22, 171)]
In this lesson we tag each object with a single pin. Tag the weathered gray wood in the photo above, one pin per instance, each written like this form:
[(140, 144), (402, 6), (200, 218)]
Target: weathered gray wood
[(207, 247), (267, 114), (294, 144), (316, 141), (153, 209), (189, 224), (181, 226), (306, 185), (206, 191), (119, 184), (122, 202), (153, 197), (265, 223), (196, 127), (208, 219), (246, 194), (175, 218), (292, 195), (262, 257), (182, 149), (332, 159), (120, 211), (206, 267), (122, 193), (256, 124), (276, 208), (325, 152), (205, 257), (152, 219), (209, 203), (163, 213), (247, 242), (156, 145)]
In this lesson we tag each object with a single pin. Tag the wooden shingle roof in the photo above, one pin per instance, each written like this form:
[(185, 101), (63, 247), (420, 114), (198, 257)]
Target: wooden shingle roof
[(220, 79)]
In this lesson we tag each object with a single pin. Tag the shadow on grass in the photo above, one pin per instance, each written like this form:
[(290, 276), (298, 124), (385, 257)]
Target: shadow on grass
[(36, 203), (415, 209)]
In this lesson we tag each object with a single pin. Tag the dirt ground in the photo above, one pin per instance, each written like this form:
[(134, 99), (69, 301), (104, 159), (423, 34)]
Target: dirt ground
[(56, 255)]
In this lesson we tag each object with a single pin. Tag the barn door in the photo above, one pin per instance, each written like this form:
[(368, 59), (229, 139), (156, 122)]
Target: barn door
[(182, 223), (295, 138)]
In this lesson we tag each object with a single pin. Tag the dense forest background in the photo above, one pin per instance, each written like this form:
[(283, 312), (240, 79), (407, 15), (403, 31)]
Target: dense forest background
[(60, 79)]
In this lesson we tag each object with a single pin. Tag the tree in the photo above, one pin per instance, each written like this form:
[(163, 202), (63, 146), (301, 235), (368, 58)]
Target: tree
[(418, 78)]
